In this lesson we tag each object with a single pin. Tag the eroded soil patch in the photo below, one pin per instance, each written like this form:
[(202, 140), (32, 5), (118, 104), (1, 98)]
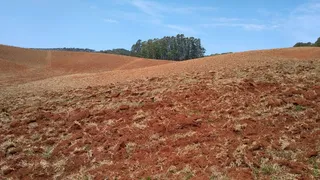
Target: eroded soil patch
[(248, 123)]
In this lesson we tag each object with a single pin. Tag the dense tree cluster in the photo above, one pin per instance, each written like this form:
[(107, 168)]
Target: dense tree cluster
[(119, 51), (308, 44), (170, 48)]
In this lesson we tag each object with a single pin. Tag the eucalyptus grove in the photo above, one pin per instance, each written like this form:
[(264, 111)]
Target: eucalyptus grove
[(169, 47)]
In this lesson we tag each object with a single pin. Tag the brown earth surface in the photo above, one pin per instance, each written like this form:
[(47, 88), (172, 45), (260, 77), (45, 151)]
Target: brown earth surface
[(38, 65), (250, 115)]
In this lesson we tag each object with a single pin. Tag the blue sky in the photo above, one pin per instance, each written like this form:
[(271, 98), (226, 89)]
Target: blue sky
[(222, 25)]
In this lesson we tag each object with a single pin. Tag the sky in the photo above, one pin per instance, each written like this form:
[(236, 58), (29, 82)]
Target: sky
[(222, 25)]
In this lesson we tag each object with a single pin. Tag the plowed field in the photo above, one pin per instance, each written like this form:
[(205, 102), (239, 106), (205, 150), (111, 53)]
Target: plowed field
[(250, 115)]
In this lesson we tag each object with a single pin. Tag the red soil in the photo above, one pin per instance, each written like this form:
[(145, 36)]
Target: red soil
[(10, 67), (94, 62), (250, 115), (44, 64)]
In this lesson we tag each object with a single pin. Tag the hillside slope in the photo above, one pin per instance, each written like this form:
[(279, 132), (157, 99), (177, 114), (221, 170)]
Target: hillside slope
[(39, 64), (76, 73), (241, 116)]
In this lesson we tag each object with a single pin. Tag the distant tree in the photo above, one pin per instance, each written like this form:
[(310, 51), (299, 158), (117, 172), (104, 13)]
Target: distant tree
[(317, 43), (227, 53), (216, 54), (136, 48), (301, 44), (308, 44), (67, 49), (119, 51)]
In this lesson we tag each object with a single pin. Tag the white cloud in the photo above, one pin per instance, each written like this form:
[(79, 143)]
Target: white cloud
[(310, 7), (186, 10), (268, 13), (125, 15), (157, 9), (245, 26), (149, 7), (225, 19), (302, 23), (298, 24), (110, 20), (180, 29), (254, 27)]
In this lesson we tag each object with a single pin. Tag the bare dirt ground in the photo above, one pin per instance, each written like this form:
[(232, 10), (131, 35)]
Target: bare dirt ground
[(250, 115), (18, 65)]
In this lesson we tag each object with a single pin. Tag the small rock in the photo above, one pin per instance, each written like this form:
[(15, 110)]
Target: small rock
[(274, 102), (124, 107), (2, 155), (33, 125), (29, 121), (301, 101), (76, 126), (138, 117), (37, 150), (155, 137), (312, 154), (78, 115), (291, 91), (310, 95), (212, 72), (13, 150), (77, 152), (317, 90), (256, 147), (114, 95), (7, 171), (239, 127), (76, 136), (284, 143), (11, 145), (92, 130), (14, 124), (50, 142), (136, 93), (153, 78)]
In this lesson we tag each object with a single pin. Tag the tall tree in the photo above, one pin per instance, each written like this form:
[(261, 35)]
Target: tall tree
[(317, 43), (136, 48), (171, 48)]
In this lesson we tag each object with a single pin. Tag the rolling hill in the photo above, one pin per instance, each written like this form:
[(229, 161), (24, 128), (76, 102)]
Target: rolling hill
[(40, 64), (248, 115)]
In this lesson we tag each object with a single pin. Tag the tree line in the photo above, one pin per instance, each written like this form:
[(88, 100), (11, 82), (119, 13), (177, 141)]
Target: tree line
[(308, 44), (175, 48), (216, 54), (119, 51), (66, 49)]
